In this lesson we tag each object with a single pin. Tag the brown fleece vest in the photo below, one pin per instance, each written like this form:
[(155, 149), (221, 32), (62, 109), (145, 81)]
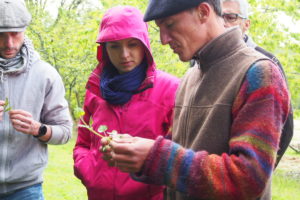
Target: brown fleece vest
[(203, 108)]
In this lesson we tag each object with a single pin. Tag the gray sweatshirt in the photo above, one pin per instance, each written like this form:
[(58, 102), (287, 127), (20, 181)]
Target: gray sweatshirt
[(37, 88)]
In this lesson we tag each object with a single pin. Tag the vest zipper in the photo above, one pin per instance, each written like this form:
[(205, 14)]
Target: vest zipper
[(189, 108)]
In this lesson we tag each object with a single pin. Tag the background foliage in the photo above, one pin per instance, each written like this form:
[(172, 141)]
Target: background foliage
[(67, 40)]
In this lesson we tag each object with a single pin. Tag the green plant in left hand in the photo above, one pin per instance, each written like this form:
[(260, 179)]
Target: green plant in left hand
[(6, 105)]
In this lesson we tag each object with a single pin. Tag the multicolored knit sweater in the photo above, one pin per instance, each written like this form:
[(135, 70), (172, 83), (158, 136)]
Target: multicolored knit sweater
[(257, 116)]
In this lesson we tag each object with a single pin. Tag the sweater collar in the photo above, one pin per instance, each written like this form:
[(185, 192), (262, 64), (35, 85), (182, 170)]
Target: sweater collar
[(219, 48)]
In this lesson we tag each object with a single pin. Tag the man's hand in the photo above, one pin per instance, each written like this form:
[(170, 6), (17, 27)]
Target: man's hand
[(1, 108), (106, 150), (130, 153), (23, 122)]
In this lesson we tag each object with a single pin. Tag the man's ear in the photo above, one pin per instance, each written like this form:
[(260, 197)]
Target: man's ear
[(246, 25), (203, 10)]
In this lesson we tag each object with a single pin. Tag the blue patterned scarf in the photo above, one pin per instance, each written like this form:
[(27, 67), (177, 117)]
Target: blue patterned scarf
[(118, 88)]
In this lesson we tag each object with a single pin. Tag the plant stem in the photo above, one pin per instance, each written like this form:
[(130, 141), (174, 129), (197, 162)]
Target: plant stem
[(91, 129)]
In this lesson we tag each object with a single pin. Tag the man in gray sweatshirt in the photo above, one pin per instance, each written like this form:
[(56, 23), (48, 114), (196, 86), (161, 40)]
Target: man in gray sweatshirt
[(33, 110)]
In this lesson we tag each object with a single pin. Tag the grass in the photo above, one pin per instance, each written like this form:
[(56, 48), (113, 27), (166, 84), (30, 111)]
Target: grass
[(286, 182), (59, 180), (61, 184), (285, 187)]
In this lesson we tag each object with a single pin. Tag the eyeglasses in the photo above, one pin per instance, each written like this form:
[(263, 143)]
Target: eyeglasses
[(232, 17)]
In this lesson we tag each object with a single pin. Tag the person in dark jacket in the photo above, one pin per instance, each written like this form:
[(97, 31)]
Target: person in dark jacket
[(236, 13), (229, 112)]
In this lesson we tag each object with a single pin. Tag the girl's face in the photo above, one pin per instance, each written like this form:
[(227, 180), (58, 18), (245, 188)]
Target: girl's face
[(125, 54)]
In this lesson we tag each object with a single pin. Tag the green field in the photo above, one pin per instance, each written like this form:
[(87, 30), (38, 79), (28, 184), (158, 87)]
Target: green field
[(285, 187), (59, 180), (61, 184)]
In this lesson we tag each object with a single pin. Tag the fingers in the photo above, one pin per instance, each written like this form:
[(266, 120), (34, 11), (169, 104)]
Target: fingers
[(105, 141), (1, 109), (23, 122), (20, 121), (107, 144), (123, 138), (126, 152), (107, 148), (19, 113), (122, 148)]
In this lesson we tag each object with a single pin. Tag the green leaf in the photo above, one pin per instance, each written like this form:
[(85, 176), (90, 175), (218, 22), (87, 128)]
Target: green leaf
[(7, 109), (6, 105), (91, 122), (102, 128), (78, 112)]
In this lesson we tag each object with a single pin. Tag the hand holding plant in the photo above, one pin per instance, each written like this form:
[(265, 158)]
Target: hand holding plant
[(101, 129), (1, 108), (4, 107), (79, 113)]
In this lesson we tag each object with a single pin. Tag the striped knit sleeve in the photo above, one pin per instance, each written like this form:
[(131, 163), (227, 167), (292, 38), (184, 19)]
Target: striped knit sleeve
[(258, 113)]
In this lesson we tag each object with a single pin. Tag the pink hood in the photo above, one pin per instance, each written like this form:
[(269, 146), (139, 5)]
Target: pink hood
[(123, 22)]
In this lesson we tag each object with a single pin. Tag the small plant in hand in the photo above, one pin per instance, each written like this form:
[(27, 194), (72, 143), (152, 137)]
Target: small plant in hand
[(6, 105), (102, 129)]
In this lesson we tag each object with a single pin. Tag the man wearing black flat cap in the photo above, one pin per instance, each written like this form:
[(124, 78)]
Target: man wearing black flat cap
[(229, 112)]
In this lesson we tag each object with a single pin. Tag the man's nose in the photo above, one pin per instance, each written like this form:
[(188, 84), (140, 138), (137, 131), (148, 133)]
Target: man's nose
[(8, 41), (164, 38)]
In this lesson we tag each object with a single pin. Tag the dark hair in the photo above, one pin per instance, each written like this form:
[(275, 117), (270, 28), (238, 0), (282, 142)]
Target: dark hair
[(216, 4)]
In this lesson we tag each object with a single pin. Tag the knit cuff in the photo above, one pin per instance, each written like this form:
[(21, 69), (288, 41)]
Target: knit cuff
[(145, 174)]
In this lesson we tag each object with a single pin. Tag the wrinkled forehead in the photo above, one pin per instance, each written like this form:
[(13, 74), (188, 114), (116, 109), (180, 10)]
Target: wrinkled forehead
[(230, 7)]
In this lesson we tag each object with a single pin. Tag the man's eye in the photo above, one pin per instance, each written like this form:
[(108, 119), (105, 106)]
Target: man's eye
[(169, 25), (230, 17)]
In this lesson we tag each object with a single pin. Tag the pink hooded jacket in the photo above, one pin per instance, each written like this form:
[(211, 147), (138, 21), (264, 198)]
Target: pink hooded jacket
[(148, 114)]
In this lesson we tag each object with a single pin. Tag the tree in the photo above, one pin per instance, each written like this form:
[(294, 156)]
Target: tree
[(67, 41), (273, 35)]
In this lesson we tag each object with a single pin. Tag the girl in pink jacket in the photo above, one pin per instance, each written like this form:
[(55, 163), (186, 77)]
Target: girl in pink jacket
[(127, 94)]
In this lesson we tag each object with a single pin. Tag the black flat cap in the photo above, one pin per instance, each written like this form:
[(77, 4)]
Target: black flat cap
[(158, 9)]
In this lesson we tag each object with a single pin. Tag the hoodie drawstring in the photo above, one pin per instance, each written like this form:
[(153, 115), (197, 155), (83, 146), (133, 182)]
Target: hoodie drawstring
[(1, 76)]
